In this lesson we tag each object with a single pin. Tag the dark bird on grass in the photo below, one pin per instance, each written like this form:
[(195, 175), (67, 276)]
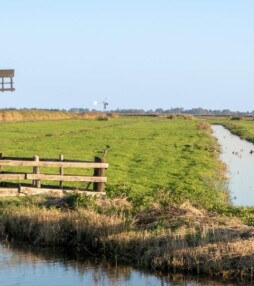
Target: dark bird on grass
[(105, 151)]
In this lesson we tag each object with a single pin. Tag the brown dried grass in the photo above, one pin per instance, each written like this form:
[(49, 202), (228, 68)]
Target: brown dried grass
[(204, 125), (32, 115), (178, 238), (180, 116)]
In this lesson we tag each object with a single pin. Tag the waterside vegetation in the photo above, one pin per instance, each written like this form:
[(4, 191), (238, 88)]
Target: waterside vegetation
[(243, 127), (162, 235)]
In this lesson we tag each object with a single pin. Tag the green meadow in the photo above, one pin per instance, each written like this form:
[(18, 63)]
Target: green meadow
[(148, 154), (166, 207)]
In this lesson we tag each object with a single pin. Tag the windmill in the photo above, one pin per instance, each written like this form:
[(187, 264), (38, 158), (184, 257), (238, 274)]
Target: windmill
[(6, 83), (105, 104)]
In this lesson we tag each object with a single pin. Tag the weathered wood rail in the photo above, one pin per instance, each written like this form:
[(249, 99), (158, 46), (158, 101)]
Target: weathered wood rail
[(98, 179), (6, 85)]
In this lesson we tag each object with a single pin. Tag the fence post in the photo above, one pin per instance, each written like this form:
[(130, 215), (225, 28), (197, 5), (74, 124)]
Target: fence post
[(1, 157), (99, 187), (61, 170), (36, 170)]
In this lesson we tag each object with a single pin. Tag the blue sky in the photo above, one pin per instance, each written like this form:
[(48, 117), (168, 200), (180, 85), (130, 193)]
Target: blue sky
[(136, 53)]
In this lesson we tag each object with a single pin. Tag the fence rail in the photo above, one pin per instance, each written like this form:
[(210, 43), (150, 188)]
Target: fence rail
[(26, 163), (98, 178)]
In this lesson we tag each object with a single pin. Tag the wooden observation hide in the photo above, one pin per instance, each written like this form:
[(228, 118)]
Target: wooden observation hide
[(6, 80)]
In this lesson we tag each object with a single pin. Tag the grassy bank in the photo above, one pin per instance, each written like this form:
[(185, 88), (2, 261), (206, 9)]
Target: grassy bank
[(244, 128), (161, 235), (166, 205)]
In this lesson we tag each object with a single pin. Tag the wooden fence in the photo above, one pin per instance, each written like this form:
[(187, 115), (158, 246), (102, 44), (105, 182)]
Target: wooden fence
[(6, 85), (98, 178)]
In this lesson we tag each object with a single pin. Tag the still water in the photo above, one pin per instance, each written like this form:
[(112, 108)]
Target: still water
[(239, 158), (40, 267)]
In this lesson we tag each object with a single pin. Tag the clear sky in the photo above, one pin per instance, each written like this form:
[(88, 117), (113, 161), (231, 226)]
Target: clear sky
[(136, 53)]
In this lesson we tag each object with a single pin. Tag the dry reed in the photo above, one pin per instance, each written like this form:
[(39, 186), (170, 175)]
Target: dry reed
[(172, 238), (35, 115)]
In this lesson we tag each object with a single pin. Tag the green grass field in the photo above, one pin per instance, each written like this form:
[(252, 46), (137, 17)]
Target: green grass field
[(167, 207), (147, 153)]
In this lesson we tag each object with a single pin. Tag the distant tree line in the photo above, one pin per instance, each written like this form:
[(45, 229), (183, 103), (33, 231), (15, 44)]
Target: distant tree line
[(176, 110)]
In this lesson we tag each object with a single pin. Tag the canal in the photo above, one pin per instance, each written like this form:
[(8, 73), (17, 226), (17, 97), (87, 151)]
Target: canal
[(238, 155), (40, 267)]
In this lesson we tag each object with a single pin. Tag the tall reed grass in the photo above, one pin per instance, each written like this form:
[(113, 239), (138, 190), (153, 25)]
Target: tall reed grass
[(166, 237), (34, 115)]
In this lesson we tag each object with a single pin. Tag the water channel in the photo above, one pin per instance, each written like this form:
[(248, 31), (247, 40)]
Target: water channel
[(40, 267), (238, 155)]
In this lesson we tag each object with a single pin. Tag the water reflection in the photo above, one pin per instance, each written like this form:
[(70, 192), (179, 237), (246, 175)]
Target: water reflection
[(46, 267), (238, 155)]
